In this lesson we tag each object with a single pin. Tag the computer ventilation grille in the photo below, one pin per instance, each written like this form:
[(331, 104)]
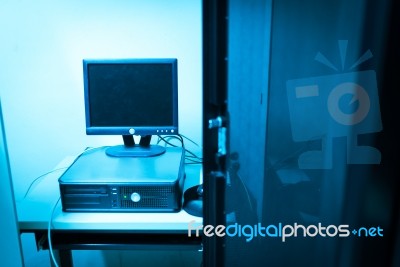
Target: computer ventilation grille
[(150, 196)]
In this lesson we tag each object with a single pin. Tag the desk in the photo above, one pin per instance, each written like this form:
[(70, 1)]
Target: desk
[(80, 230)]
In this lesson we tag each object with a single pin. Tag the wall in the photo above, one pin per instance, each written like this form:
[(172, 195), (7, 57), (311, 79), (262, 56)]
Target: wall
[(43, 44), (10, 245)]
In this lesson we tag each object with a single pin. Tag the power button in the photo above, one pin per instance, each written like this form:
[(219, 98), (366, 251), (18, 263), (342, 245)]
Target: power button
[(135, 197)]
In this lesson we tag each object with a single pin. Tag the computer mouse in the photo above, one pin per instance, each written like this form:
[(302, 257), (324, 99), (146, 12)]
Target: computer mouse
[(193, 200)]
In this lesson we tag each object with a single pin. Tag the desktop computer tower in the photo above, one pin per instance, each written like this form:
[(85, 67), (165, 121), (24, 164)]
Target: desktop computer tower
[(96, 182)]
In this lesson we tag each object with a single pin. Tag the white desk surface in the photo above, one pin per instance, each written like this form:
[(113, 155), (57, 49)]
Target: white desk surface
[(34, 211)]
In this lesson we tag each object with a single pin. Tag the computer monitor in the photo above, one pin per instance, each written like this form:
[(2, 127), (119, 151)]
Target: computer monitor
[(131, 97)]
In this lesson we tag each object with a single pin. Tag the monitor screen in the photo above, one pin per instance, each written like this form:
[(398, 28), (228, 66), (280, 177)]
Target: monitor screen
[(131, 97)]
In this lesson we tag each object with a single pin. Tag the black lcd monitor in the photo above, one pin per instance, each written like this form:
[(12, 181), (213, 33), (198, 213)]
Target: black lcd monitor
[(131, 97)]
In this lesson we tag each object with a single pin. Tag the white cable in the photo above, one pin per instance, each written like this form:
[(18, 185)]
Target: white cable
[(41, 176), (49, 234), (52, 213)]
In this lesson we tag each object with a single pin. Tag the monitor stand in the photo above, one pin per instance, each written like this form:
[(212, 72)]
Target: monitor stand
[(130, 149)]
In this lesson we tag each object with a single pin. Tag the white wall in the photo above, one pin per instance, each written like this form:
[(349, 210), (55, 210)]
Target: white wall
[(10, 245), (41, 84)]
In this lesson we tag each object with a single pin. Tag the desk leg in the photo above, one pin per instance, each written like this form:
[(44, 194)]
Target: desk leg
[(63, 257)]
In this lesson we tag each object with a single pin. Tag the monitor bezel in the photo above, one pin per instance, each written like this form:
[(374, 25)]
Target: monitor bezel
[(132, 129)]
